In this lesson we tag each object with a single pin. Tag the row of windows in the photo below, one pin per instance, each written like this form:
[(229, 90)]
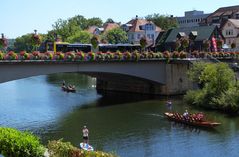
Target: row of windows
[(229, 32), (139, 36), (190, 21)]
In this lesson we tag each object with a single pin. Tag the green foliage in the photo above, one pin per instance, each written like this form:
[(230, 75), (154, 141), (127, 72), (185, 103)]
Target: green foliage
[(116, 35), (94, 41), (14, 143), (80, 37), (143, 42), (24, 43), (163, 21), (219, 88), (66, 149)]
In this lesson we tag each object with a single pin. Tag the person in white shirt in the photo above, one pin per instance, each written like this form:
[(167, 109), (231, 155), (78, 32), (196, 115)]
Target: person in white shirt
[(85, 132)]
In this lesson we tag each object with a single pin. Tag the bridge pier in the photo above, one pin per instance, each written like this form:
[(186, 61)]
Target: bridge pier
[(177, 82)]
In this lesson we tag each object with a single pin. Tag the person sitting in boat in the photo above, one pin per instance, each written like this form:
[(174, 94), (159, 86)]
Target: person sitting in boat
[(186, 114)]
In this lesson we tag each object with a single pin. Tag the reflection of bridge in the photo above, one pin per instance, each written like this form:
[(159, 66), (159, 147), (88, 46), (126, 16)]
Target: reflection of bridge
[(152, 76)]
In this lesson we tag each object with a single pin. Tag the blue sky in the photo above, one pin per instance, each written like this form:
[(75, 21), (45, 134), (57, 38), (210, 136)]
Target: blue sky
[(19, 17)]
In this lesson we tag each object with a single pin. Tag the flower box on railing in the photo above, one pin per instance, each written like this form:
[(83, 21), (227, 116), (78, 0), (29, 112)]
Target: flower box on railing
[(80, 56), (36, 55), (59, 56), (11, 56), (70, 56)]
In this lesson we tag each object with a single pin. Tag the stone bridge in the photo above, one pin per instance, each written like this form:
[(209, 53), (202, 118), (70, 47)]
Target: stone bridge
[(144, 76)]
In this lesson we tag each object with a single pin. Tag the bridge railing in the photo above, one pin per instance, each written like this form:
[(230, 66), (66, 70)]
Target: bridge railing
[(110, 56)]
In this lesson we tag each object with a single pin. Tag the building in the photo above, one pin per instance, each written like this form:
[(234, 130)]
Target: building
[(230, 31), (99, 30), (196, 36), (191, 18), (221, 15), (138, 28)]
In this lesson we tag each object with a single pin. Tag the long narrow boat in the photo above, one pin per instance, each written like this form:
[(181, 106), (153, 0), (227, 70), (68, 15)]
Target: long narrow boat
[(190, 121)]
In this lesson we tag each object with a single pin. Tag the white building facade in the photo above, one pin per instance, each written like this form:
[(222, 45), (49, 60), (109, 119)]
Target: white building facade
[(230, 31), (191, 18)]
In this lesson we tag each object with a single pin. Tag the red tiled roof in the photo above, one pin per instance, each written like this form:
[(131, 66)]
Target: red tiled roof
[(136, 23), (109, 26), (91, 29)]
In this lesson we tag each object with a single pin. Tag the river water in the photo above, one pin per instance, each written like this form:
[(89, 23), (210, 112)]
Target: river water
[(129, 125)]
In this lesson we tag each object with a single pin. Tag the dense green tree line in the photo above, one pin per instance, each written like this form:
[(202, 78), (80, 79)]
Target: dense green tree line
[(218, 87)]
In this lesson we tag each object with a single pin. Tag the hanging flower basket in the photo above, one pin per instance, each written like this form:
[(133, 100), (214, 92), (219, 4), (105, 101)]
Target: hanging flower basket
[(135, 56), (118, 55), (99, 56), (1, 55), (48, 56), (36, 55), (11, 56), (70, 56), (144, 55), (109, 56), (127, 55), (91, 56), (80, 56), (24, 55)]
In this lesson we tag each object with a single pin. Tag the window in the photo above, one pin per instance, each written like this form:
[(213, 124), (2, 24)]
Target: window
[(229, 32), (132, 36), (138, 36), (237, 16), (152, 36)]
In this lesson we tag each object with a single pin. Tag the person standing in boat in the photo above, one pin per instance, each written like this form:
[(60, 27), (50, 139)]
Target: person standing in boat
[(85, 132), (169, 105)]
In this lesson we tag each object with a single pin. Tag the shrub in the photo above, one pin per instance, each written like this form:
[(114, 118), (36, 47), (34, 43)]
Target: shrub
[(14, 143), (66, 149)]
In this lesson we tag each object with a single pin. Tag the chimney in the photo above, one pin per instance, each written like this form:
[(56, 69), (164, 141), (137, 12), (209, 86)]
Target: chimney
[(136, 17), (2, 35)]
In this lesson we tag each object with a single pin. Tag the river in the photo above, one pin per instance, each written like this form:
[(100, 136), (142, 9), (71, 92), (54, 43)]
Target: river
[(129, 125)]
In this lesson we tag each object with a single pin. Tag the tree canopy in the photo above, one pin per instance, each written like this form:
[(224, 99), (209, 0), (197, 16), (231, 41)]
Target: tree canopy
[(116, 35), (220, 88), (163, 21), (80, 37)]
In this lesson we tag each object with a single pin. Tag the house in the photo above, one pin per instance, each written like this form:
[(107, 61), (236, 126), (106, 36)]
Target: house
[(196, 36), (221, 15), (138, 28), (99, 30), (230, 31), (191, 18)]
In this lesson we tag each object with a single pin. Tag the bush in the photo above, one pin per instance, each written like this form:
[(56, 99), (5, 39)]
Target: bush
[(66, 149), (14, 143)]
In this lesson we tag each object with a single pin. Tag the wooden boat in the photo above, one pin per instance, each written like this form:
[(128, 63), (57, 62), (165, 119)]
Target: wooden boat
[(68, 89), (190, 120)]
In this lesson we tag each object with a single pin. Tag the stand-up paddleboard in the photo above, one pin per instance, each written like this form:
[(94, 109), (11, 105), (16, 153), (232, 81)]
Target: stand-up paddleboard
[(86, 146)]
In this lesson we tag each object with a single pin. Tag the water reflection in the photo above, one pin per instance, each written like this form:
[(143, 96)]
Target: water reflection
[(130, 125)]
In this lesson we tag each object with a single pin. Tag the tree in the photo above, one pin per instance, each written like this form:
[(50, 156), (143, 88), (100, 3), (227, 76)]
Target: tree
[(3, 42), (206, 45), (116, 35), (95, 21), (80, 37), (163, 21), (94, 41), (143, 42), (24, 43), (184, 43), (177, 44), (233, 45), (109, 20)]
